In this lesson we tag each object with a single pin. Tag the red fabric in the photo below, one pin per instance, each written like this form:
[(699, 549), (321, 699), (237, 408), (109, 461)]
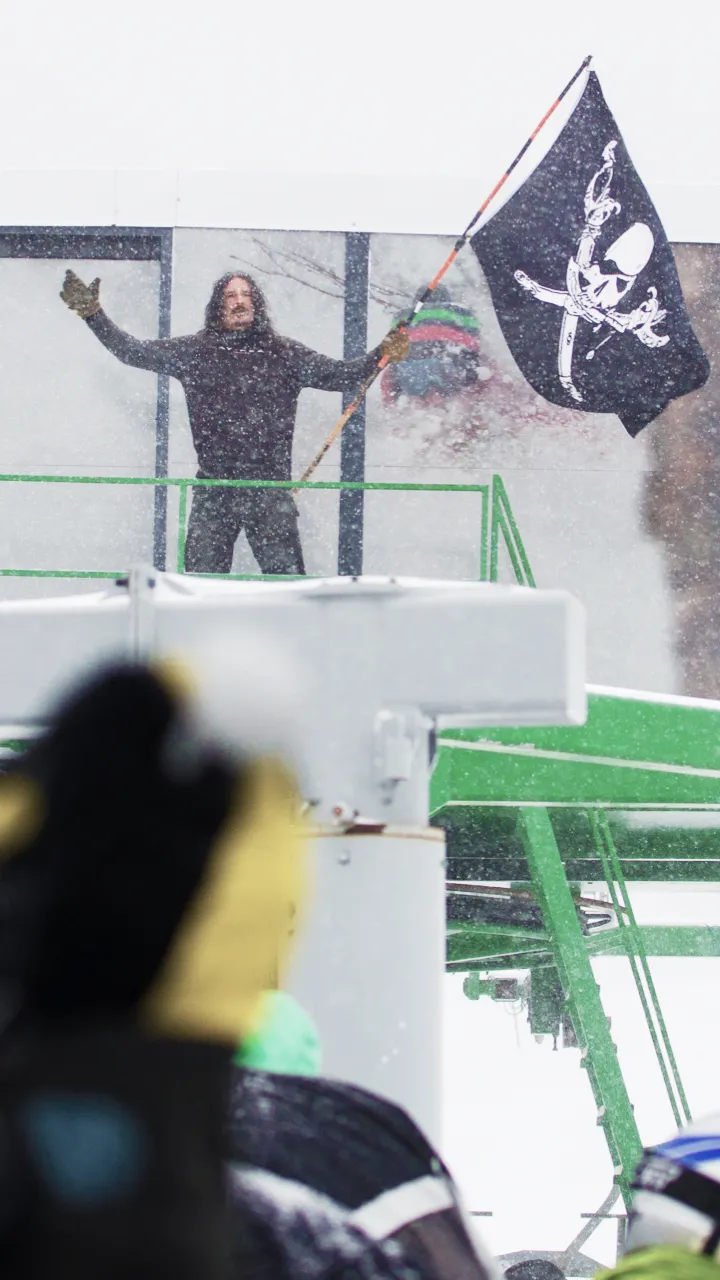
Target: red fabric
[(442, 333)]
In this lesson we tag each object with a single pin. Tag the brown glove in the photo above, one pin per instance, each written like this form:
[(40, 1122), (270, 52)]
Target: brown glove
[(83, 299), (396, 346)]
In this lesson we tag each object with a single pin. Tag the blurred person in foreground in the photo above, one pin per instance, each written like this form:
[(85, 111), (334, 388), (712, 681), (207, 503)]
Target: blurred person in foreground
[(242, 381), (150, 876), (674, 1225), (150, 861), (338, 1171)]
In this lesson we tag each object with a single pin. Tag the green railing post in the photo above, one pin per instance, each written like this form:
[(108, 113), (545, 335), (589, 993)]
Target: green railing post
[(502, 520), (484, 531), (637, 955), (582, 994), (182, 521), (630, 951)]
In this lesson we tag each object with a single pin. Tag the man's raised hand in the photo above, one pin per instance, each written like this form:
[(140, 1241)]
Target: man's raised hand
[(83, 299), (396, 346)]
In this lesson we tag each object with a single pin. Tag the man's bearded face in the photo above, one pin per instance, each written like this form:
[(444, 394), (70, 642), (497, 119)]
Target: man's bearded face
[(238, 311)]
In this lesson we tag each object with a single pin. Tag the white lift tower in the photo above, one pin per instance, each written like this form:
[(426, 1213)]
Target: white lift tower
[(377, 663)]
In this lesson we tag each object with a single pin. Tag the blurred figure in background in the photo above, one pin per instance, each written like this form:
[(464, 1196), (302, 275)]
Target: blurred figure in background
[(674, 1226), (444, 356), (682, 492), (338, 1178)]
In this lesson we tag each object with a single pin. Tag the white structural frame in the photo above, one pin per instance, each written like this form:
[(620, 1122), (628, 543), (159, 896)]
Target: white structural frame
[(350, 677)]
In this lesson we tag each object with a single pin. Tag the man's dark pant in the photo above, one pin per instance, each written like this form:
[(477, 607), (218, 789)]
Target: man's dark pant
[(268, 516)]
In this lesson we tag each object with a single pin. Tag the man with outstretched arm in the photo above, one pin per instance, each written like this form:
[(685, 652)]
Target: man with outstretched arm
[(242, 381)]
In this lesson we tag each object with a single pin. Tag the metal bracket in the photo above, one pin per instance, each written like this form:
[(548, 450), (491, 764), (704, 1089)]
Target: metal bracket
[(399, 736), (141, 586)]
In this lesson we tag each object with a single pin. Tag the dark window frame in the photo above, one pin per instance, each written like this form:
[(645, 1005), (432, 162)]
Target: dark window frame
[(116, 244), (155, 244)]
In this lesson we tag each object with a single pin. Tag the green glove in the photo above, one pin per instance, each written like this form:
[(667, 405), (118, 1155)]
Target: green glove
[(83, 299), (396, 345), (285, 1042)]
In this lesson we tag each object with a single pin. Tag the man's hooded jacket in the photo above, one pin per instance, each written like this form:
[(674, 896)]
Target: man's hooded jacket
[(242, 390)]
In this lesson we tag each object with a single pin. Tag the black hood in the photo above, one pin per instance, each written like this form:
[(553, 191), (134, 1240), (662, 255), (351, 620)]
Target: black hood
[(89, 906)]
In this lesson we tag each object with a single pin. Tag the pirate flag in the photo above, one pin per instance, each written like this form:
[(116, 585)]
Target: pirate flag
[(584, 282)]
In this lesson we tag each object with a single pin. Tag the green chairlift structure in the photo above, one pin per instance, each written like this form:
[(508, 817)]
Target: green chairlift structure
[(532, 816)]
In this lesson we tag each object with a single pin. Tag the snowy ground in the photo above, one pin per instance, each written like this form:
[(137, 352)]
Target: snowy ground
[(520, 1119)]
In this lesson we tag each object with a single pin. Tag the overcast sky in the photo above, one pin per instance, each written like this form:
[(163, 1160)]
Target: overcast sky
[(322, 87)]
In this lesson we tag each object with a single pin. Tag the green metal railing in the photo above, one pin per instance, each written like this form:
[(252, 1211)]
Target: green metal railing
[(497, 522), (581, 994), (549, 809), (639, 966)]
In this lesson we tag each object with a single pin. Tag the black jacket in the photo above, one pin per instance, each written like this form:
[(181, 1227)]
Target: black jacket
[(112, 1147), (312, 1153), (111, 1157), (241, 389)]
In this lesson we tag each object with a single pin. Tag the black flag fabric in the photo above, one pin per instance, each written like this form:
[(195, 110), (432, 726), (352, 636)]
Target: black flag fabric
[(584, 282)]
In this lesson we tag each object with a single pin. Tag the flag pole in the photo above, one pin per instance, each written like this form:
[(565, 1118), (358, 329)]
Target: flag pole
[(432, 286)]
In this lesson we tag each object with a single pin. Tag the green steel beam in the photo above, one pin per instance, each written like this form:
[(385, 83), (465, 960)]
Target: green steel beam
[(501, 963), (582, 994), (475, 942), (688, 941), (640, 968), (632, 751), (473, 771), (631, 727), (655, 872), (522, 948), (503, 522), (483, 843)]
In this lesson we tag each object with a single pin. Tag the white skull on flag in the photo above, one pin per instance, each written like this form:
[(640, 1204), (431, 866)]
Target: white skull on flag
[(595, 289)]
